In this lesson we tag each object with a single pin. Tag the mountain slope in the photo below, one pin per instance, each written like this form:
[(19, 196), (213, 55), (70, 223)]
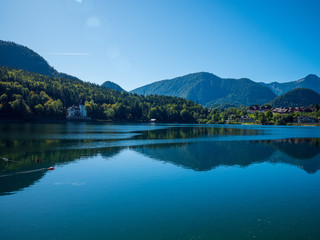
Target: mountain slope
[(27, 95), (112, 85), (21, 57), (209, 89), (311, 81), (297, 98)]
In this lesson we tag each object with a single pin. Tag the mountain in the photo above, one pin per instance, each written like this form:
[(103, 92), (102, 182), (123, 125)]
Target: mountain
[(311, 81), (297, 98), (208, 89), (204, 88), (112, 85), (21, 57), (31, 89), (27, 95)]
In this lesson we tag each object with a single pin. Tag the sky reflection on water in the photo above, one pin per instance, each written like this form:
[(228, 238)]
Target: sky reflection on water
[(160, 182)]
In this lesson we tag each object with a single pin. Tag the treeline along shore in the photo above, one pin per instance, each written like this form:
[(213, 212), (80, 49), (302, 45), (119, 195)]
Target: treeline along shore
[(30, 96)]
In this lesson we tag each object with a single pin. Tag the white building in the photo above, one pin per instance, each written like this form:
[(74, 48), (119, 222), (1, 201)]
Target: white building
[(77, 113)]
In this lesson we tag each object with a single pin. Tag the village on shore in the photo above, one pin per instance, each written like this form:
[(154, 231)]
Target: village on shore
[(297, 115), (255, 114)]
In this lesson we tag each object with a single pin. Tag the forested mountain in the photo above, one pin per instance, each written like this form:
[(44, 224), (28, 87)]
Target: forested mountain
[(21, 57), (112, 85), (298, 97), (29, 95), (208, 89), (311, 81), (204, 88)]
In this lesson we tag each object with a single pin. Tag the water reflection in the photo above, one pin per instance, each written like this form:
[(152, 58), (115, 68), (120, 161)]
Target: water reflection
[(61, 143), (298, 148), (204, 156), (194, 132), (17, 175), (24, 143), (11, 183)]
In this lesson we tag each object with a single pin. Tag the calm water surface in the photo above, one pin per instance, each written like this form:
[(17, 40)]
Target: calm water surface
[(143, 181)]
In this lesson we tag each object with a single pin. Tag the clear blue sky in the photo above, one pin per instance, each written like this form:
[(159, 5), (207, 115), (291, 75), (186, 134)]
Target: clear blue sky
[(136, 42)]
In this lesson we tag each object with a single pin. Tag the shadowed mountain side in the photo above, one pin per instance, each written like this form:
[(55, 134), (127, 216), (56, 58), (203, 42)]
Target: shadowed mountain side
[(195, 155), (299, 97), (311, 81), (208, 89), (21, 57), (112, 85)]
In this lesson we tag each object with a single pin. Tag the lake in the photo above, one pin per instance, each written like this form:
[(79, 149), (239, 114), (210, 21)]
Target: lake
[(159, 181)]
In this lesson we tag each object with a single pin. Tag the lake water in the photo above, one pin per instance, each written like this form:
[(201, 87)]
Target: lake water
[(143, 181)]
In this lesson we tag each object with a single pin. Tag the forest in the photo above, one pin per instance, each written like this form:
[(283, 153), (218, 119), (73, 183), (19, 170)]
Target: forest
[(30, 96)]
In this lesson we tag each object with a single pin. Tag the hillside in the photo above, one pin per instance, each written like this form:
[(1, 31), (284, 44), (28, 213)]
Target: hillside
[(311, 81), (298, 97), (21, 57), (26, 95), (208, 89), (112, 85)]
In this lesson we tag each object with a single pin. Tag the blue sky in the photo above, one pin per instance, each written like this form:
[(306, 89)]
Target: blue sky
[(133, 43)]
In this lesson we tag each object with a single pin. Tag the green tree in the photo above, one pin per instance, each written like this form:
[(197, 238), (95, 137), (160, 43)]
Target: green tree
[(269, 115), (109, 113), (39, 109)]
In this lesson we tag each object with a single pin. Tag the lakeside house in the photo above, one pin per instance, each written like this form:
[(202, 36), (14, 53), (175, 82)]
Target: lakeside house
[(77, 113), (259, 109), (292, 110), (282, 110)]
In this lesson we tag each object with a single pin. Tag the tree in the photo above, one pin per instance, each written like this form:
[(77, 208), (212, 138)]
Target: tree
[(269, 115), (109, 113), (262, 118), (39, 109), (47, 96), (186, 116), (19, 107)]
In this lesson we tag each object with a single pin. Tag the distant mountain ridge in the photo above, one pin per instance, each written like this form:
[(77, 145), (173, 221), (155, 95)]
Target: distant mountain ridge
[(209, 89), (112, 85), (299, 97), (203, 87), (21, 57), (311, 81)]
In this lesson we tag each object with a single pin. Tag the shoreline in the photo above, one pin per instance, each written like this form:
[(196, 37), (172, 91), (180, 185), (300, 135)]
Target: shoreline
[(134, 122)]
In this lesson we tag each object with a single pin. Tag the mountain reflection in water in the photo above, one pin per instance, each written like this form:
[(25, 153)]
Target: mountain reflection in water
[(204, 156), (60, 145)]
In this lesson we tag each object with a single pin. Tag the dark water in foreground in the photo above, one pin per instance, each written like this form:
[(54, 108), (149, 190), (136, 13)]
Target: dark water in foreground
[(159, 182)]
